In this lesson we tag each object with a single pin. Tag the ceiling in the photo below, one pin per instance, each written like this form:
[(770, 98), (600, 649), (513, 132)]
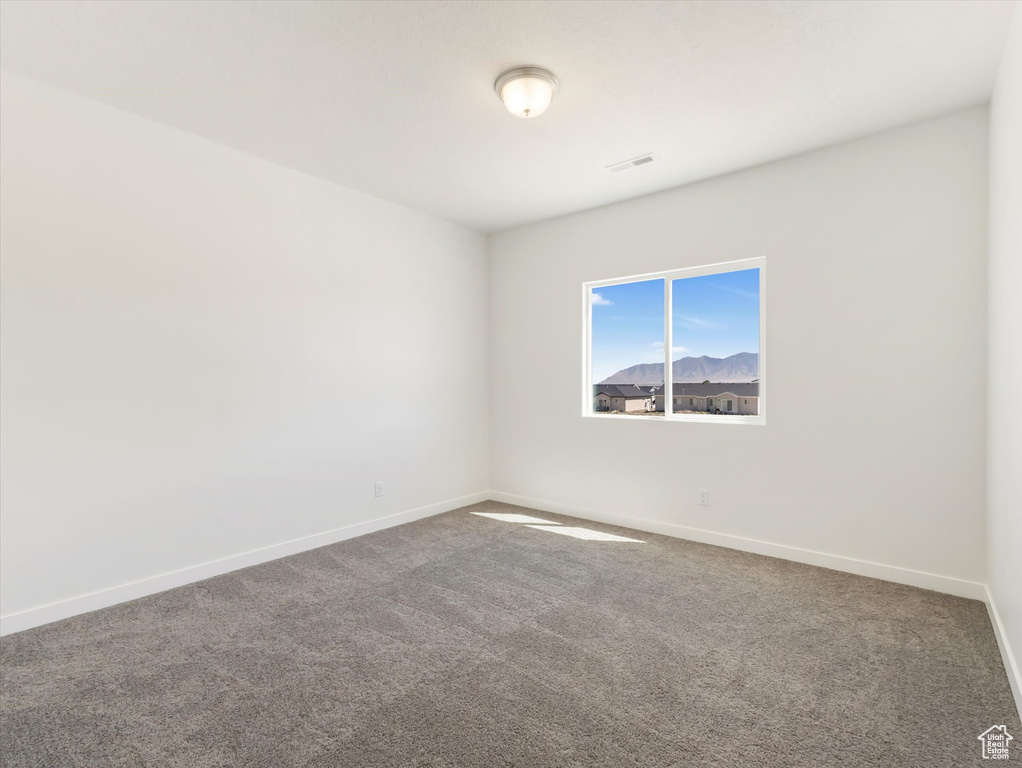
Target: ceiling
[(396, 98)]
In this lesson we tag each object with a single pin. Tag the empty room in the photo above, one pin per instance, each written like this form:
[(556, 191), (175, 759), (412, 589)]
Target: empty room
[(538, 384)]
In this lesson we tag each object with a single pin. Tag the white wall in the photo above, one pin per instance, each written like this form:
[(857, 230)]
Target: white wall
[(876, 320), (205, 353), (1004, 426)]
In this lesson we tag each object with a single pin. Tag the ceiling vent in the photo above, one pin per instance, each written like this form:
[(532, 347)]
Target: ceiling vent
[(635, 162)]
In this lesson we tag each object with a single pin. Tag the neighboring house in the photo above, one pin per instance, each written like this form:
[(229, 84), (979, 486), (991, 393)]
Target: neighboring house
[(725, 397), (624, 398)]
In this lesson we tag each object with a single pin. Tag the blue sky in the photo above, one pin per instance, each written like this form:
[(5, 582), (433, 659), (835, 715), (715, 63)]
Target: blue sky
[(715, 315)]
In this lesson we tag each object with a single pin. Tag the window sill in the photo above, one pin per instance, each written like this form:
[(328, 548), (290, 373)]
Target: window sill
[(707, 419)]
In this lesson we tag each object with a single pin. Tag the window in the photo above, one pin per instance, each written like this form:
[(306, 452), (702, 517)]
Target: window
[(653, 342)]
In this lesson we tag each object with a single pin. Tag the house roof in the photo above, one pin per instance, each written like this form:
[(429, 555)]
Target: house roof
[(738, 389), (626, 390)]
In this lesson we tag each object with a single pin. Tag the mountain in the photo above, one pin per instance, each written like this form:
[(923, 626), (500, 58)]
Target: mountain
[(741, 367)]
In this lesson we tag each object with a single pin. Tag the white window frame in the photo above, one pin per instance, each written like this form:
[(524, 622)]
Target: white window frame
[(667, 276)]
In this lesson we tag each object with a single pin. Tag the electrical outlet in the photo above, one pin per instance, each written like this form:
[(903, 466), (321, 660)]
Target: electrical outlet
[(704, 497), (379, 487)]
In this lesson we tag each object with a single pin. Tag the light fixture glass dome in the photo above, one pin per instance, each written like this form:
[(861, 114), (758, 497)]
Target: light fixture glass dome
[(526, 91)]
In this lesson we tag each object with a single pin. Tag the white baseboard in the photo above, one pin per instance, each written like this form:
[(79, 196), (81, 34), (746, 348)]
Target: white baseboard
[(44, 614), (1007, 656), (947, 584)]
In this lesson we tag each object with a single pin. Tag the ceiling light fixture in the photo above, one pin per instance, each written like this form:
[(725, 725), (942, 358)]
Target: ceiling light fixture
[(526, 91)]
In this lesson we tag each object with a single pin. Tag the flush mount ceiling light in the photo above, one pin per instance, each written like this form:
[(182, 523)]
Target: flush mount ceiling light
[(526, 91)]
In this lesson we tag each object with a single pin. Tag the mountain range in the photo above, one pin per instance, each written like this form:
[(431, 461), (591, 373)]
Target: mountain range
[(743, 366)]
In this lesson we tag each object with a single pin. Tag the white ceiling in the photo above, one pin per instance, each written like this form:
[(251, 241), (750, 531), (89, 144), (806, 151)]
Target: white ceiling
[(396, 98)]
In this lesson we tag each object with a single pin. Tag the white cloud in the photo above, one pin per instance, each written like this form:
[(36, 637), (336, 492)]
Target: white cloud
[(599, 301), (700, 324), (738, 291), (658, 346)]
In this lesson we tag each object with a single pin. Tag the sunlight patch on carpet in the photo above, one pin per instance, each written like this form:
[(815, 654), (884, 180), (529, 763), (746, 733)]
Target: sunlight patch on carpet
[(583, 533), (514, 518)]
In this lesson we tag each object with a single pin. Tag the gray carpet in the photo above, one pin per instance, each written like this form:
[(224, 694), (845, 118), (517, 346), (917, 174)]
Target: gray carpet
[(462, 641)]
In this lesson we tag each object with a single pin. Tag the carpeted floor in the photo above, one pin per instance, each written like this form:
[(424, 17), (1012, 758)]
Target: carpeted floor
[(463, 641)]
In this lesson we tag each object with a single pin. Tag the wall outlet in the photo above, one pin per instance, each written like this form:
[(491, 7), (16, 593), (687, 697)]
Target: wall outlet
[(379, 487), (704, 497)]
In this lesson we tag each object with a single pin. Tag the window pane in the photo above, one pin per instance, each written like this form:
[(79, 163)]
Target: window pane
[(715, 322), (627, 354)]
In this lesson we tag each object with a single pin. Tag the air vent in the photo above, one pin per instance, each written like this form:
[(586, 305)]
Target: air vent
[(635, 162)]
